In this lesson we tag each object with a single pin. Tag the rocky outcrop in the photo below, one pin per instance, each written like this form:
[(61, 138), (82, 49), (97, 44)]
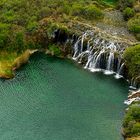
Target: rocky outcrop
[(134, 96)]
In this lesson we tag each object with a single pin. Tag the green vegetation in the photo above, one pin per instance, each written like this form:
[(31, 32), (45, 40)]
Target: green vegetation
[(19, 20), (134, 26), (128, 13), (6, 64), (132, 58), (30, 24), (131, 12), (131, 122), (123, 4), (113, 2), (89, 12), (54, 50)]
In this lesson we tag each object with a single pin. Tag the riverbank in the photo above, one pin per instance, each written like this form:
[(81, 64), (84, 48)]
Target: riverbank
[(131, 123), (6, 64), (9, 62)]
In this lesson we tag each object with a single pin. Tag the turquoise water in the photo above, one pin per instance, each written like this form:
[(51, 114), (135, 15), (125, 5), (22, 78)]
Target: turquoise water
[(53, 99)]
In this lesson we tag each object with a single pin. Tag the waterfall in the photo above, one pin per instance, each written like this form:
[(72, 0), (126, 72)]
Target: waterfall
[(82, 41), (118, 66), (132, 84), (80, 56), (90, 57), (95, 65), (88, 45), (109, 69), (76, 49), (97, 53), (119, 72)]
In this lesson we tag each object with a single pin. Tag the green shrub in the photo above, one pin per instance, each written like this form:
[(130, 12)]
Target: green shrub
[(66, 9), (9, 16), (132, 58), (89, 12), (131, 121), (32, 26), (44, 12), (128, 13), (4, 26), (92, 12), (122, 4), (3, 40), (54, 49), (19, 42), (134, 24), (136, 129), (77, 10), (4, 33)]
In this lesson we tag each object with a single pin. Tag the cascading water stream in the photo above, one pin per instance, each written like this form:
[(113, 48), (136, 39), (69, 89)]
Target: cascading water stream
[(90, 58), (95, 66), (119, 65), (119, 72), (78, 48), (109, 69), (82, 42), (99, 54)]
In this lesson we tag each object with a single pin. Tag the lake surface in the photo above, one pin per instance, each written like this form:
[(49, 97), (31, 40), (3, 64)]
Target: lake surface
[(54, 99)]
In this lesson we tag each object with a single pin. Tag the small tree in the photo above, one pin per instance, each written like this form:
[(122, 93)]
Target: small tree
[(134, 24), (128, 13)]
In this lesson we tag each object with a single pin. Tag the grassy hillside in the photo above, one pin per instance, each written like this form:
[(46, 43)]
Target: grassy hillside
[(131, 12), (29, 24), (21, 24), (20, 19)]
